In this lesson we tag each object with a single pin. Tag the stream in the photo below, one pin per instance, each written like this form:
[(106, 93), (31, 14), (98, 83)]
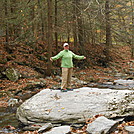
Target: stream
[(9, 123), (8, 119)]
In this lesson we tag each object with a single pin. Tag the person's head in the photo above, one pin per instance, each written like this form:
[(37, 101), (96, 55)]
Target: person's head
[(66, 46)]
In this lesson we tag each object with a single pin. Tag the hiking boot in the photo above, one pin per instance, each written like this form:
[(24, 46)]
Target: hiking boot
[(69, 89), (63, 90)]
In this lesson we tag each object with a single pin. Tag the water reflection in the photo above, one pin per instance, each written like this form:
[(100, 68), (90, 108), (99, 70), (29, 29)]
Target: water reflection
[(7, 119)]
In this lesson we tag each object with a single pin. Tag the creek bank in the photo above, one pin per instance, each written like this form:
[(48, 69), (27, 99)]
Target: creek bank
[(35, 85)]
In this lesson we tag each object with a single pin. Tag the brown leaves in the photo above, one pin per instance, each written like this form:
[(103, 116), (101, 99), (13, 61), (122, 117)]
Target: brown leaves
[(121, 126), (90, 120), (120, 129), (10, 127), (78, 131)]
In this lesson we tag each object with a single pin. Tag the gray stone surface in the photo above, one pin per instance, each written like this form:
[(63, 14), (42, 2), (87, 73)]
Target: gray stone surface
[(75, 106), (12, 102), (59, 130), (124, 82), (45, 127), (129, 129), (102, 125)]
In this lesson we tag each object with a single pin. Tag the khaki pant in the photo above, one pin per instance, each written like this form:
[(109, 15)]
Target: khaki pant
[(66, 77)]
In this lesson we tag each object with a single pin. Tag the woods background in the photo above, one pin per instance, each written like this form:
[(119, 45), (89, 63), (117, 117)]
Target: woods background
[(38, 28)]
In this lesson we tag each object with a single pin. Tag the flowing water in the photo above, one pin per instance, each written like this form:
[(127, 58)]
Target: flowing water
[(7, 119)]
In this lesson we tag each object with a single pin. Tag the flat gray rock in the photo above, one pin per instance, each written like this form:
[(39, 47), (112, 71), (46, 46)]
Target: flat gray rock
[(102, 125), (75, 106), (129, 128), (124, 82), (45, 127), (59, 130)]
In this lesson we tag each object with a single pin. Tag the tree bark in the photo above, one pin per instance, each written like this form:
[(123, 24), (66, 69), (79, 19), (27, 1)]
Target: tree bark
[(108, 31), (56, 34), (108, 25), (74, 24), (131, 29), (34, 22), (7, 29), (42, 26), (67, 24), (42, 20), (80, 27), (49, 36)]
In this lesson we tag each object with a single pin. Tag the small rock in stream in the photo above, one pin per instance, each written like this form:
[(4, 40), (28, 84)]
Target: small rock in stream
[(102, 125), (45, 127), (59, 130), (130, 129)]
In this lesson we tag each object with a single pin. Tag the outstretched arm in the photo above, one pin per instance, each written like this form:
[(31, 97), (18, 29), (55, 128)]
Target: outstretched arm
[(78, 57), (59, 55)]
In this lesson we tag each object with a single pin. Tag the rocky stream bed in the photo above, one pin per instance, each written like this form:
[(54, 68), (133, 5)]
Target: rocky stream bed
[(111, 99)]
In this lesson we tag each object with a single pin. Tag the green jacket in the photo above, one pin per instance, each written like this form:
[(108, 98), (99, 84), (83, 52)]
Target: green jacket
[(67, 58)]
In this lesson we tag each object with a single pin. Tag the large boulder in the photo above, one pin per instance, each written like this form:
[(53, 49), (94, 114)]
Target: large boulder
[(75, 106)]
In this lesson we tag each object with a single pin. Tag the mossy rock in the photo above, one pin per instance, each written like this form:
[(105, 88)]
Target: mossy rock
[(3, 61), (12, 74)]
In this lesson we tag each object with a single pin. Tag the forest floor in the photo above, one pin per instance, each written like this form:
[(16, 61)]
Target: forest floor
[(8, 89), (92, 73)]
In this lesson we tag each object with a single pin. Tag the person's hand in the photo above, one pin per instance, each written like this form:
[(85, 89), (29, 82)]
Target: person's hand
[(84, 57), (51, 59)]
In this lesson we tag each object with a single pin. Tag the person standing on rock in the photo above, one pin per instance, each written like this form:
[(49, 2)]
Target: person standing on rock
[(67, 66)]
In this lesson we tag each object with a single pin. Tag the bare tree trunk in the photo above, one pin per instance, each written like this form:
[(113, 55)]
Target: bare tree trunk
[(42, 21), (34, 23), (74, 24), (56, 34), (7, 29), (67, 25), (13, 33), (80, 32), (42, 26), (49, 36), (132, 38), (108, 25), (108, 31), (80, 27), (32, 15)]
